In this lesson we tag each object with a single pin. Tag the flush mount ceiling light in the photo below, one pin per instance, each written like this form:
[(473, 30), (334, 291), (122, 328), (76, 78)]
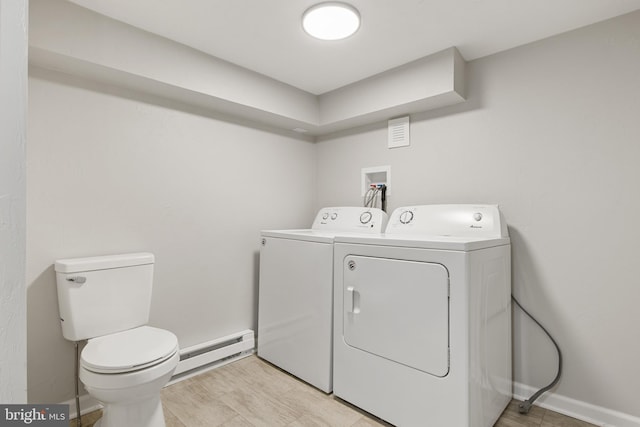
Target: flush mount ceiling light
[(331, 20)]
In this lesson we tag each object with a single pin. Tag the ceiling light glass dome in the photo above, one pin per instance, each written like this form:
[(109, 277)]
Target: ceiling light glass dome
[(331, 20)]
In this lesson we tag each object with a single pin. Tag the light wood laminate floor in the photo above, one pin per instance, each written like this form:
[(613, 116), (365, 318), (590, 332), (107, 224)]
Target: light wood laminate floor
[(253, 393)]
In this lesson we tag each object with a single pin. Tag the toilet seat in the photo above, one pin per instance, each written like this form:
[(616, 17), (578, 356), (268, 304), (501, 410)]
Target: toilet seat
[(117, 383), (129, 351)]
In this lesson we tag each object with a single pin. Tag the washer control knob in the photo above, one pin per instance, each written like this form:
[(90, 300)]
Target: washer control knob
[(477, 216), (334, 215), (365, 217), (325, 215), (406, 217)]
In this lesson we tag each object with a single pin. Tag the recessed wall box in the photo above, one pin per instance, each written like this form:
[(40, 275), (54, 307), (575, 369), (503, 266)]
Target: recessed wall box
[(377, 175)]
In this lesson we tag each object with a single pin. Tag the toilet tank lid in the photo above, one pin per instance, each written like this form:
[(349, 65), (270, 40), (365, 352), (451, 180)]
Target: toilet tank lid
[(74, 265)]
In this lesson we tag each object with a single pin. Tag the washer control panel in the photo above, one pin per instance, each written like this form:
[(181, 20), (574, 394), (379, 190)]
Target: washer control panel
[(351, 219), (448, 220), (366, 217)]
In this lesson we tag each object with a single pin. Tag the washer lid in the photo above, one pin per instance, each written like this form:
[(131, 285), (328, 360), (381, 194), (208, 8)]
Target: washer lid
[(129, 350), (306, 235)]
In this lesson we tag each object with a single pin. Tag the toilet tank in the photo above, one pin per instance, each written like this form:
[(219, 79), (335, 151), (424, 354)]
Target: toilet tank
[(103, 295)]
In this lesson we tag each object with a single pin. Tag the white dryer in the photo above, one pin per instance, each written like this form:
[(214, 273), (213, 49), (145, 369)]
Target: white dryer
[(422, 317), (295, 303)]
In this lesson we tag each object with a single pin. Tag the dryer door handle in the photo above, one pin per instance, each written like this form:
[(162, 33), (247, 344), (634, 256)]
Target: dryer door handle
[(352, 302)]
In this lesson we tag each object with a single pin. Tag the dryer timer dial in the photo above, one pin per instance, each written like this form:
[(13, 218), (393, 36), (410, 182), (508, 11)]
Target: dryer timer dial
[(406, 217)]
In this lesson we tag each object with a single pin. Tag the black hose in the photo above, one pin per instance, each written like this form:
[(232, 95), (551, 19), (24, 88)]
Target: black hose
[(525, 406)]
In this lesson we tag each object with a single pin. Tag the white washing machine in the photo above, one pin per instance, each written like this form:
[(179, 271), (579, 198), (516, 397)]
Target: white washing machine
[(295, 305), (422, 317)]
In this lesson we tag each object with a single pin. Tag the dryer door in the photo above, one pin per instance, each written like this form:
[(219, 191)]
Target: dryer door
[(398, 310)]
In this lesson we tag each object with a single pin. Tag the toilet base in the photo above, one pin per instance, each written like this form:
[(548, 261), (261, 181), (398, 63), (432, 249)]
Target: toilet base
[(131, 399), (141, 413)]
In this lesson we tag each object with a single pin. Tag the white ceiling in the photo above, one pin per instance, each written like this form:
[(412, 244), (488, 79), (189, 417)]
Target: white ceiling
[(266, 36)]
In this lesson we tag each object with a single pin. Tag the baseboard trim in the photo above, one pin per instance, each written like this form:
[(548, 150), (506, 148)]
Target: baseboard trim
[(584, 411), (87, 404)]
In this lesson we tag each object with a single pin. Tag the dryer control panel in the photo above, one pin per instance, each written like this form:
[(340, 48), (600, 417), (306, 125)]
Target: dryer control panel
[(351, 219), (483, 221)]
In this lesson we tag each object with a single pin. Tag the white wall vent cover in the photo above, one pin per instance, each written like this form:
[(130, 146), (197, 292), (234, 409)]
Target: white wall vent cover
[(399, 133)]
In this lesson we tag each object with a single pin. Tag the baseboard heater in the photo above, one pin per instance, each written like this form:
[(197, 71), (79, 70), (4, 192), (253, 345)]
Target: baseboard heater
[(211, 354)]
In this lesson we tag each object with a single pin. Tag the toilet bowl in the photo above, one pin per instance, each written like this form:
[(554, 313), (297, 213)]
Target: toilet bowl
[(125, 371), (125, 363)]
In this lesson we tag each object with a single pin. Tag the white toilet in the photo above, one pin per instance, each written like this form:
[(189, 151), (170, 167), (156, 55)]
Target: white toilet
[(125, 364)]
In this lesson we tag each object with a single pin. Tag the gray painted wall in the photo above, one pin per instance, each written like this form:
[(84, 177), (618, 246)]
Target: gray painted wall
[(110, 171), (550, 133)]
